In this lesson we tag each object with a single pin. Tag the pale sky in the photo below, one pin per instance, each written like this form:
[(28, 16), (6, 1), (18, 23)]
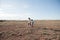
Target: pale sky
[(36, 9)]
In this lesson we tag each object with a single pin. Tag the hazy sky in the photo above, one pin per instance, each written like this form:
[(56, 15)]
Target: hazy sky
[(36, 9)]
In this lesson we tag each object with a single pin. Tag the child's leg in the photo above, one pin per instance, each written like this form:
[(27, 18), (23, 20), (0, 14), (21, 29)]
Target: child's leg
[(31, 24)]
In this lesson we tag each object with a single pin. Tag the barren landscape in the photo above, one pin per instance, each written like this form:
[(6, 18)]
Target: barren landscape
[(19, 30)]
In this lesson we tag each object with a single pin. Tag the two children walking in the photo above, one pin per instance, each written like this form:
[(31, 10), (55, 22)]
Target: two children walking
[(30, 22)]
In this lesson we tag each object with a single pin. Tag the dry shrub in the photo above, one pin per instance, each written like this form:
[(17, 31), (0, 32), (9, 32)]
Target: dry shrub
[(2, 20)]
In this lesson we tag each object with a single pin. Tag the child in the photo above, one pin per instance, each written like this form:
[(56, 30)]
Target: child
[(30, 22)]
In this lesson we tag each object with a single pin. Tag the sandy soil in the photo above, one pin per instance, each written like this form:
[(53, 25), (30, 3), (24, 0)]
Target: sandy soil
[(19, 30)]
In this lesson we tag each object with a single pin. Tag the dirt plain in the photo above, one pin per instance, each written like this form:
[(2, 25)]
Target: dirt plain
[(19, 30)]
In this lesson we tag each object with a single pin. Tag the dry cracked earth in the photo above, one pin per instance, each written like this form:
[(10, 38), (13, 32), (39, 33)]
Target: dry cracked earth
[(19, 30)]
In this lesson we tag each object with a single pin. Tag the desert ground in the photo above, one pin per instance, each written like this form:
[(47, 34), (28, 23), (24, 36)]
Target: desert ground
[(19, 30)]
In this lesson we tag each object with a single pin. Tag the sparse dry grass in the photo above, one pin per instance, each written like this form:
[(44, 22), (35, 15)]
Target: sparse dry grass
[(19, 30)]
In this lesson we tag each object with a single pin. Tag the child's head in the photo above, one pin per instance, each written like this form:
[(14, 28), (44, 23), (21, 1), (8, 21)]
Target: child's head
[(29, 18)]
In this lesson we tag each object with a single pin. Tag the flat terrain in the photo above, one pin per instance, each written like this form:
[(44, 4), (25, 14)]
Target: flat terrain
[(19, 30)]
